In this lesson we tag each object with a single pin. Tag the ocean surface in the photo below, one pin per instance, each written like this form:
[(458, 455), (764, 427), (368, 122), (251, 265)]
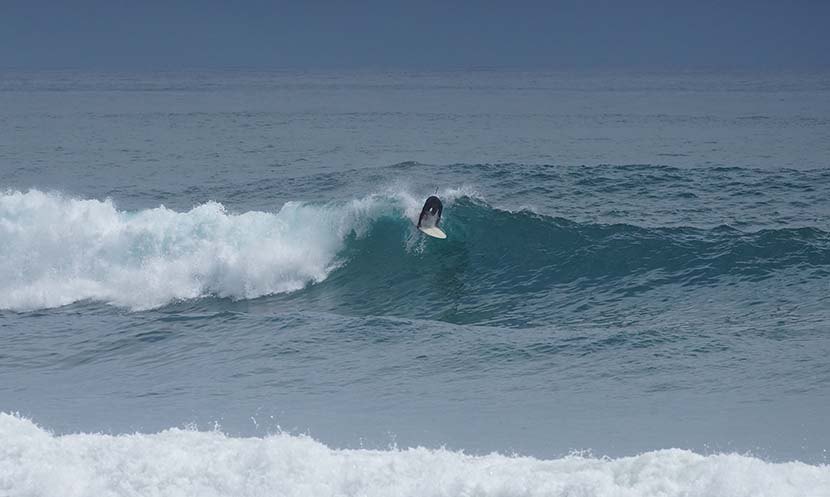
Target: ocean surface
[(211, 284)]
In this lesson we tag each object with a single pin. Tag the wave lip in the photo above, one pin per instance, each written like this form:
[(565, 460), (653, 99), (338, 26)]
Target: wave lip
[(58, 250), (179, 462)]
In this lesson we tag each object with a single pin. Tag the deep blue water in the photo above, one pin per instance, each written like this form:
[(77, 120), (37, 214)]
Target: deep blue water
[(634, 262)]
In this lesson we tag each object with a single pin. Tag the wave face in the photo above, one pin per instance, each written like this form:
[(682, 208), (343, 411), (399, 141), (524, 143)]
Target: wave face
[(183, 463), (364, 256), (514, 268)]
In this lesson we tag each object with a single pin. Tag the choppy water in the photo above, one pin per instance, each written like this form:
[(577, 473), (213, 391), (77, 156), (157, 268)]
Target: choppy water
[(633, 264)]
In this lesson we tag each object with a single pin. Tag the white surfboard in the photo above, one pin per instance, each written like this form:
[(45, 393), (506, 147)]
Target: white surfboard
[(433, 232)]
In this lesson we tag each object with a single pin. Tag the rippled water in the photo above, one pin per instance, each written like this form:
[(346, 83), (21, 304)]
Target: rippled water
[(632, 264)]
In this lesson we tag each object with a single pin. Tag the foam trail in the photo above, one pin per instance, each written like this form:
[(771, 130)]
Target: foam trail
[(191, 463), (56, 250)]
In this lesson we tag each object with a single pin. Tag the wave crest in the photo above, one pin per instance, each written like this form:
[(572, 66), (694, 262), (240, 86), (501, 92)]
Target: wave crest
[(58, 250)]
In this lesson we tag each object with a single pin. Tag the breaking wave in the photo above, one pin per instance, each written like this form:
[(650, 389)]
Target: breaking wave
[(58, 250)]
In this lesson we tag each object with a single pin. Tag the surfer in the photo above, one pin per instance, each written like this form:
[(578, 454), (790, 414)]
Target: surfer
[(432, 207)]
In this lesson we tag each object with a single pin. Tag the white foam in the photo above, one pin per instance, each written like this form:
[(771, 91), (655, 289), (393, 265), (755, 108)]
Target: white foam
[(56, 250), (34, 462)]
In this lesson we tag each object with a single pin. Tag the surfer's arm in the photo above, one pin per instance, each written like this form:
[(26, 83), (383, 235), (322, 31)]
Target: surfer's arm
[(421, 217)]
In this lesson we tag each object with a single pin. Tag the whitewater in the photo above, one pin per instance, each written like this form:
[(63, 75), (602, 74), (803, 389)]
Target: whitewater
[(214, 285), (184, 462), (60, 250)]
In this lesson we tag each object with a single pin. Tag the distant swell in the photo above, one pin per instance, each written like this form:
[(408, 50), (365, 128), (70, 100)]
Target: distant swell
[(184, 463), (58, 250)]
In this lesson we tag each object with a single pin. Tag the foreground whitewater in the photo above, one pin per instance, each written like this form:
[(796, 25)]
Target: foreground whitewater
[(179, 462)]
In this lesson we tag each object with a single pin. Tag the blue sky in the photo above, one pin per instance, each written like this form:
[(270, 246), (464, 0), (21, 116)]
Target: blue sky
[(645, 34)]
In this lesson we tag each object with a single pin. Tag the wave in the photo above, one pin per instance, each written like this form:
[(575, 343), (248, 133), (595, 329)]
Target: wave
[(58, 250), (180, 462)]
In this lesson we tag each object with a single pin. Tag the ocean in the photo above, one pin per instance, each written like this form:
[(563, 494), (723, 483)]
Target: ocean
[(211, 284)]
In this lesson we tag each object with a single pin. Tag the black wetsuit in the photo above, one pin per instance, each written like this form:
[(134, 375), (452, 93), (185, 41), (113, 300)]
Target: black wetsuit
[(431, 207)]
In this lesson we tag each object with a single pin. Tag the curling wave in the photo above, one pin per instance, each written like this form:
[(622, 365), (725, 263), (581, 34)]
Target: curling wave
[(58, 250)]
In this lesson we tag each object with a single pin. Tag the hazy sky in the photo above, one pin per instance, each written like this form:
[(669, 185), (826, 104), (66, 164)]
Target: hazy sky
[(116, 34)]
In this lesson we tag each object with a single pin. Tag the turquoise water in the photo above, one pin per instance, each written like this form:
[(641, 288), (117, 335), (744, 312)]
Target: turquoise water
[(634, 263)]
